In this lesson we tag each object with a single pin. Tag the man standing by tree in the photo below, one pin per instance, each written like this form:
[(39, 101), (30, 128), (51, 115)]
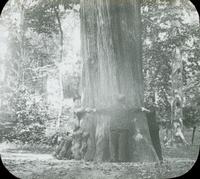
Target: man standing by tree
[(119, 131), (153, 126)]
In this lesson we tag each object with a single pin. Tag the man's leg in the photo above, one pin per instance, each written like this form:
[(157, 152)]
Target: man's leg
[(123, 146), (59, 147), (155, 138), (156, 143), (114, 137), (62, 153)]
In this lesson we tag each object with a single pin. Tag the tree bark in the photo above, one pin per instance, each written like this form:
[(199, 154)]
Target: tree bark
[(177, 88), (112, 67), (21, 44), (56, 10)]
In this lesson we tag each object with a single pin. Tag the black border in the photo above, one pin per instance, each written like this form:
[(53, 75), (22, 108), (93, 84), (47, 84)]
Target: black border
[(4, 173), (190, 174), (2, 4), (195, 3)]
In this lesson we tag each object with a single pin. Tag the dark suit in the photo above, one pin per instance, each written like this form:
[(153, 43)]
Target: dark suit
[(119, 134), (154, 131)]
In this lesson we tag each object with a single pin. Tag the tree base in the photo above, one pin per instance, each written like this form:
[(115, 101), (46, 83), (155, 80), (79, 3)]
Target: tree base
[(129, 145)]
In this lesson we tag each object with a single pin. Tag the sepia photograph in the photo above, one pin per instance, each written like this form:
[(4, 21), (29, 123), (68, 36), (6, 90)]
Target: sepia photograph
[(99, 89)]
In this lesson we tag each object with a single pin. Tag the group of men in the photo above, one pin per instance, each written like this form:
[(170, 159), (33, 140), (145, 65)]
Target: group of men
[(72, 145), (121, 119)]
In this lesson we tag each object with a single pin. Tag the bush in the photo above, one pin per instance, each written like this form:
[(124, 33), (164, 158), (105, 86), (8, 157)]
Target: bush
[(30, 116), (191, 116)]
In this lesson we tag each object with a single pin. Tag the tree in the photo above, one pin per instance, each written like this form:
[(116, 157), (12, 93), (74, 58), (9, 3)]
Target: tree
[(112, 75), (56, 10), (166, 70), (177, 81), (46, 18)]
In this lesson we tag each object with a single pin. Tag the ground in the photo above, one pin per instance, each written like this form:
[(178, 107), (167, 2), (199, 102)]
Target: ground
[(34, 165)]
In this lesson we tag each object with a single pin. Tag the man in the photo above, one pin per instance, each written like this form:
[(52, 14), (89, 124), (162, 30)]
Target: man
[(63, 150), (84, 143), (153, 126), (119, 131)]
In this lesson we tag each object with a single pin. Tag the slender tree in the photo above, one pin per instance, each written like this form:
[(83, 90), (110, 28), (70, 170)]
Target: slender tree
[(57, 14), (177, 84)]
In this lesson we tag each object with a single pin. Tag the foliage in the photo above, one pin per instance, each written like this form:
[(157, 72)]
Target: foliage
[(40, 19), (160, 37), (71, 86), (30, 116), (191, 114), (40, 45)]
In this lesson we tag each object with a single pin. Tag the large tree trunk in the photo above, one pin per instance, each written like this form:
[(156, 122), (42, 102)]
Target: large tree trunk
[(112, 67)]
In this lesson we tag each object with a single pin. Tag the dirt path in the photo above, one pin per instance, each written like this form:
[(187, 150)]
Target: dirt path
[(44, 166)]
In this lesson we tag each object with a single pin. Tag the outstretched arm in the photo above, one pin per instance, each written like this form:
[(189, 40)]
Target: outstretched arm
[(143, 109)]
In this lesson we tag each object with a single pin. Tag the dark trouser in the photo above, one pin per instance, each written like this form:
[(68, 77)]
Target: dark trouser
[(119, 145), (154, 133), (64, 149), (59, 147)]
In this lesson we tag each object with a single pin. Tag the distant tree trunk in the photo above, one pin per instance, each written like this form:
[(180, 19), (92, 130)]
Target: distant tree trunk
[(112, 67), (177, 87), (21, 42), (177, 102), (56, 10), (61, 99)]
